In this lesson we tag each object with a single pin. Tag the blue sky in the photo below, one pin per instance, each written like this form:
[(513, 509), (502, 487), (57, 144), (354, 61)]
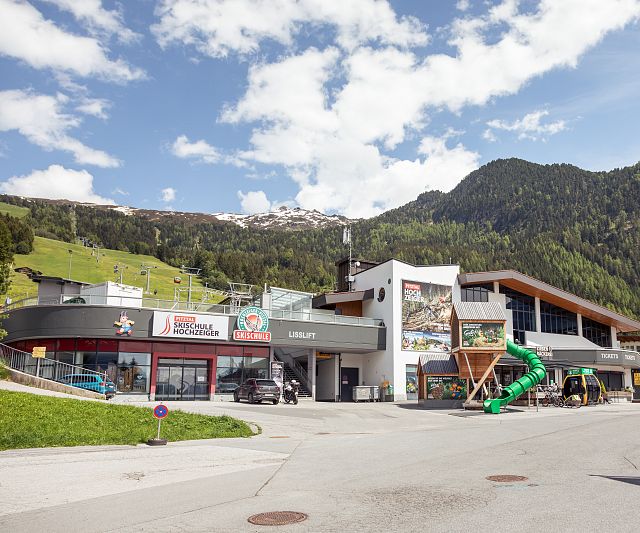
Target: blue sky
[(346, 107)]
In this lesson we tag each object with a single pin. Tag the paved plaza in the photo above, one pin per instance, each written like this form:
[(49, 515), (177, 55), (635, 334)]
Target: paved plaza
[(350, 467)]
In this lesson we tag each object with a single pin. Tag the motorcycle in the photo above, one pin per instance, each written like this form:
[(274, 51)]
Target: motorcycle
[(291, 392)]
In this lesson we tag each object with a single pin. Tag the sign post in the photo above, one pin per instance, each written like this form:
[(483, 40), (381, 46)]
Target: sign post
[(38, 352), (160, 411)]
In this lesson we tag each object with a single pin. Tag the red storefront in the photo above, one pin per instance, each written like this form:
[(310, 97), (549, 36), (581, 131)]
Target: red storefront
[(162, 370)]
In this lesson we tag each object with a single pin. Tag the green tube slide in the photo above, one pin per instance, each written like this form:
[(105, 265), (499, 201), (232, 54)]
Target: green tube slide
[(536, 374)]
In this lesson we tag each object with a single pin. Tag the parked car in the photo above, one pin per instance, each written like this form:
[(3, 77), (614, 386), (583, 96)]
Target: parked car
[(256, 390), (90, 382)]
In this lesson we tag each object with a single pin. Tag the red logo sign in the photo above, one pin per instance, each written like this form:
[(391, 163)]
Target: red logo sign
[(259, 336)]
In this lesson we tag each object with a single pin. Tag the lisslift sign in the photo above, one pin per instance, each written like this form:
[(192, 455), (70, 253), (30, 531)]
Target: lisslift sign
[(190, 326)]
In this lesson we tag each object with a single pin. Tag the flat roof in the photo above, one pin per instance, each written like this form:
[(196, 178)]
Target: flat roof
[(56, 279), (534, 287), (333, 298)]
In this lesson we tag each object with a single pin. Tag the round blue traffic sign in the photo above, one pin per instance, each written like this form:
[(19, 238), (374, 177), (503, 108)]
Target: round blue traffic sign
[(160, 411)]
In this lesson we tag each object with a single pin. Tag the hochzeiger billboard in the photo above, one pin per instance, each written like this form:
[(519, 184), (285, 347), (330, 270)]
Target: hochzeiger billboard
[(426, 311), (190, 326)]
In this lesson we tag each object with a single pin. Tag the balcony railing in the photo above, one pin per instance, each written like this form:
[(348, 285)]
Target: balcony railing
[(194, 307)]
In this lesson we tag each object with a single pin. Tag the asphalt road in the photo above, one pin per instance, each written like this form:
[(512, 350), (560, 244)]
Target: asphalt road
[(365, 467)]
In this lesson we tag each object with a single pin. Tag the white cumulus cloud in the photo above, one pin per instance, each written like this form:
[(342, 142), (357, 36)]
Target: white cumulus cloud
[(99, 20), (168, 194), (217, 27), (41, 119), (26, 35), (527, 127), (254, 202), (333, 116), (200, 151), (57, 183)]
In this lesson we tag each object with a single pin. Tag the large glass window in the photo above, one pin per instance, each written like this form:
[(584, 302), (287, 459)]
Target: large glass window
[(231, 371), (555, 319), (523, 311), (595, 332), (476, 293), (133, 372)]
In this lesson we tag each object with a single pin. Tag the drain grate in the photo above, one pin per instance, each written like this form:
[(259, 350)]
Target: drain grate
[(277, 518), (506, 478)]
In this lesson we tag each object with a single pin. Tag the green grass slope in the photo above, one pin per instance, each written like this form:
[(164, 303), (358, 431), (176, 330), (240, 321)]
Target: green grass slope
[(52, 259), (13, 210), (32, 421)]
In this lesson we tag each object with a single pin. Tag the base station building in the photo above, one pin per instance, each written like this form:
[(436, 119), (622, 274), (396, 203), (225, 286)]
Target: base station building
[(387, 326)]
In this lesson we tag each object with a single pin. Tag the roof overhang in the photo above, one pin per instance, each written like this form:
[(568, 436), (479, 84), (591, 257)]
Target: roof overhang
[(533, 287), (330, 299)]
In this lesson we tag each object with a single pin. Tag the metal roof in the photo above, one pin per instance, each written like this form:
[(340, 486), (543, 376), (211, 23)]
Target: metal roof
[(479, 311), (438, 363)]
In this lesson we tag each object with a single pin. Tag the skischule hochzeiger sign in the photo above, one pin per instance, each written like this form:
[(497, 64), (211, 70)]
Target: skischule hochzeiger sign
[(190, 326), (252, 325)]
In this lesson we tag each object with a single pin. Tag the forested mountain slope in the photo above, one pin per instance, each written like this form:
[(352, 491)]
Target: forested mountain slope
[(575, 229)]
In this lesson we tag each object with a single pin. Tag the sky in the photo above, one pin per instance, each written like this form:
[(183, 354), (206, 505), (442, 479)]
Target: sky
[(350, 107)]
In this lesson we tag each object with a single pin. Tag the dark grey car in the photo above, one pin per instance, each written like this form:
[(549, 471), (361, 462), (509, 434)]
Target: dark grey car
[(256, 390)]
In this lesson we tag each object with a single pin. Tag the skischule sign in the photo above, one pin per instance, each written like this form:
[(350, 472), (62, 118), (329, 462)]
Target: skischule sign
[(252, 325), (190, 326)]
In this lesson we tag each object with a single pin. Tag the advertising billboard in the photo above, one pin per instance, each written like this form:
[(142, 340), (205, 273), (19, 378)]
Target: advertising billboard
[(190, 326), (446, 388), (483, 335), (426, 312)]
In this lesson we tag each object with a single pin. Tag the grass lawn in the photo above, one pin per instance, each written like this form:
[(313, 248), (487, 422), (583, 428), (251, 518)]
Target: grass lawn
[(51, 257), (14, 210), (32, 421)]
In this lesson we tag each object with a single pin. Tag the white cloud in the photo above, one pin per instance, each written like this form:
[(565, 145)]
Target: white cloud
[(120, 191), (57, 183), (199, 151), (41, 120), (333, 117), (168, 194), (528, 127), (216, 27), (463, 5), (96, 107), (254, 202), (99, 20), (26, 35)]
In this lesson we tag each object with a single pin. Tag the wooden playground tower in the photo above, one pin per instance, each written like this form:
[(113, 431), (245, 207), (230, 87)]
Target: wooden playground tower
[(478, 341)]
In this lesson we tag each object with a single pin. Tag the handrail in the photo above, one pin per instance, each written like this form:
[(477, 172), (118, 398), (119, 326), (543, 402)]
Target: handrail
[(296, 367), (201, 307), (50, 369)]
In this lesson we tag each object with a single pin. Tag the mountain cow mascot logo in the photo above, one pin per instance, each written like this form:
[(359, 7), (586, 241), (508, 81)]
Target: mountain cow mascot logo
[(252, 325)]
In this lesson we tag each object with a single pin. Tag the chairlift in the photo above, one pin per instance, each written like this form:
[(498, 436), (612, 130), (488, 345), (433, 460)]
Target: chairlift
[(177, 279)]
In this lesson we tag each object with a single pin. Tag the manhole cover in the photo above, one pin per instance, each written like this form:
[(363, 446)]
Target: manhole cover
[(506, 478), (277, 518)]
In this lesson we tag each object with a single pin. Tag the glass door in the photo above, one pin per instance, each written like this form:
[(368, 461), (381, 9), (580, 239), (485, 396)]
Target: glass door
[(182, 379)]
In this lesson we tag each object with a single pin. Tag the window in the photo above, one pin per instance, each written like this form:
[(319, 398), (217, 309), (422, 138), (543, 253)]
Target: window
[(412, 382), (133, 372), (555, 319), (612, 380), (232, 371), (476, 293), (523, 311), (596, 333)]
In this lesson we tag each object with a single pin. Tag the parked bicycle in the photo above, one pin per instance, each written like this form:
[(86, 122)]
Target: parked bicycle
[(552, 396)]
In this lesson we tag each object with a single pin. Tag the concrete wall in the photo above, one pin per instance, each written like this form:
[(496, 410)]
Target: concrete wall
[(32, 381)]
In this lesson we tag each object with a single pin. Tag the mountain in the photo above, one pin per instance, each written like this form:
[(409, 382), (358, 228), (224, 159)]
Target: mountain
[(576, 229), (283, 218)]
